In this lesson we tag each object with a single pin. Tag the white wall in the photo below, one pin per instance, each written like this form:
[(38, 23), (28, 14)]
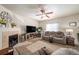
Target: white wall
[(19, 20), (64, 24), (23, 22)]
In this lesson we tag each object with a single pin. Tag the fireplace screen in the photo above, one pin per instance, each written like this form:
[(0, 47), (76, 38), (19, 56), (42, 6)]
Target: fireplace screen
[(13, 40)]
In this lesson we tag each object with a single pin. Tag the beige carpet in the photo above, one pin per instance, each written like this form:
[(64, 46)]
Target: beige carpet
[(33, 45), (52, 46), (38, 45)]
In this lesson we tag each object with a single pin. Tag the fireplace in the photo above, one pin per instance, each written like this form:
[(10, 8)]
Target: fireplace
[(13, 40)]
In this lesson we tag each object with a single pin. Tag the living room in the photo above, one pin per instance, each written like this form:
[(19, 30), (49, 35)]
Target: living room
[(39, 29)]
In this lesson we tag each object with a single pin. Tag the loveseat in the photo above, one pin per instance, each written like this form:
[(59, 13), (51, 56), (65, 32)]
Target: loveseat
[(57, 37)]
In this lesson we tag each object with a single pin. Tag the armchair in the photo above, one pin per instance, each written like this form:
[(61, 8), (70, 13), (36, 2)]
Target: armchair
[(59, 38), (46, 35)]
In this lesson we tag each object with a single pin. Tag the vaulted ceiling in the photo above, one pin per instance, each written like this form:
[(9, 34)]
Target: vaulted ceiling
[(31, 10)]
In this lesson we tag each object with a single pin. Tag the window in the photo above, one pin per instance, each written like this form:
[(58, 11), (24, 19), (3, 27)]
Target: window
[(52, 27)]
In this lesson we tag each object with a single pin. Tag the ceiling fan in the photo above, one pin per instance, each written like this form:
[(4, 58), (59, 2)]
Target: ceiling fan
[(43, 12)]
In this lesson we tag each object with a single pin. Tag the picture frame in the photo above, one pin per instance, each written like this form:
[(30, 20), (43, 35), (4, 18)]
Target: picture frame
[(73, 24)]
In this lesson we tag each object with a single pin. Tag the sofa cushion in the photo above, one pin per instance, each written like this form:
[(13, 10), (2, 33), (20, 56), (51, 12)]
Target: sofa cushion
[(59, 34), (56, 38), (53, 34), (47, 33)]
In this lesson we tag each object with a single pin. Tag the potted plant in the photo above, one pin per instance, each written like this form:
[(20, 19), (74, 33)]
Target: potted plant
[(3, 22), (39, 29), (13, 25)]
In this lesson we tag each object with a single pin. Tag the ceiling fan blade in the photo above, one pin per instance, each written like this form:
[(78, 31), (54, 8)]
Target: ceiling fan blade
[(47, 16), (49, 13)]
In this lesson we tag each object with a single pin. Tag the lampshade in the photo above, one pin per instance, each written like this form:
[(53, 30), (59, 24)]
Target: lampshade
[(69, 30)]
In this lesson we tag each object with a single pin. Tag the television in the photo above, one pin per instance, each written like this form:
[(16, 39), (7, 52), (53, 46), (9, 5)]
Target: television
[(30, 29)]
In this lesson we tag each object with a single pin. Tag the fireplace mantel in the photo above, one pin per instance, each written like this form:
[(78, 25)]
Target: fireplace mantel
[(4, 36)]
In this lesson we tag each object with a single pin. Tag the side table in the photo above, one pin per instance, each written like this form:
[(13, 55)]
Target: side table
[(70, 40)]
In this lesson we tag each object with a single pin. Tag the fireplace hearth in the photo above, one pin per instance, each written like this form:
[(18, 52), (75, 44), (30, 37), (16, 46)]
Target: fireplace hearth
[(13, 40)]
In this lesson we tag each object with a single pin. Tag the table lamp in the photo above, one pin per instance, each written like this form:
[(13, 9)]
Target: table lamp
[(69, 31)]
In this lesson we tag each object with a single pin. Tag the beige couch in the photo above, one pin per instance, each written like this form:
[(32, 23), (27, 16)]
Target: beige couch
[(57, 37)]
